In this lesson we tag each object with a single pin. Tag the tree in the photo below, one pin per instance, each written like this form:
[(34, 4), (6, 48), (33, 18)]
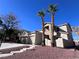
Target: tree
[(9, 26), (0, 21), (42, 14), (52, 10), (1, 32)]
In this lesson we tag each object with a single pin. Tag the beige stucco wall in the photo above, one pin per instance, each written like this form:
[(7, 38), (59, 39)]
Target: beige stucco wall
[(48, 32), (64, 36), (32, 37), (59, 43), (67, 38), (48, 42), (36, 38), (63, 28)]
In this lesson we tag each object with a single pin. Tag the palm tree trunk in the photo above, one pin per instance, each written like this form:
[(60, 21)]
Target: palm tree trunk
[(52, 34), (43, 37)]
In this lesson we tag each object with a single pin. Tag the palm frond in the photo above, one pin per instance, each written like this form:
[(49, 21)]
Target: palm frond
[(52, 8), (41, 13)]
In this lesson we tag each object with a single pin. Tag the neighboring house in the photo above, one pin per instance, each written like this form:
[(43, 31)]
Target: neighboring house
[(62, 35), (24, 37), (34, 38)]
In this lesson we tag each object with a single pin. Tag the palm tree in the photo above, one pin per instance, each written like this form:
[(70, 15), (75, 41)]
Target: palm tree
[(52, 10), (42, 14)]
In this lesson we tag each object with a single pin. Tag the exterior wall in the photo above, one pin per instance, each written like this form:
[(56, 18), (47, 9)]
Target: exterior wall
[(67, 37), (64, 36), (63, 28), (60, 43), (48, 32), (32, 37), (48, 42), (38, 39)]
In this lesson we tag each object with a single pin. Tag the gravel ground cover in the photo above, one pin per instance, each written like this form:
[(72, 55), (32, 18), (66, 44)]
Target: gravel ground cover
[(46, 53)]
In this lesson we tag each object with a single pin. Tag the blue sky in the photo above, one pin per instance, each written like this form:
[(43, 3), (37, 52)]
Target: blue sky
[(75, 36), (26, 12)]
